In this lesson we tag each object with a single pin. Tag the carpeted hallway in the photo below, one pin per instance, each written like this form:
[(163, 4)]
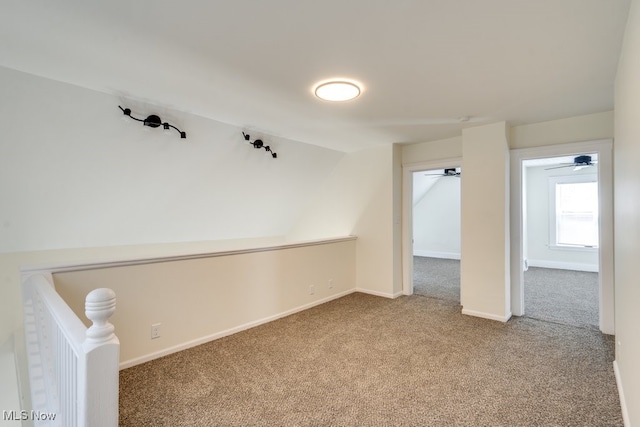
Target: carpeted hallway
[(363, 360)]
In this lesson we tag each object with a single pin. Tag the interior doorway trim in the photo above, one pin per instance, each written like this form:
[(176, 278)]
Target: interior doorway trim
[(407, 214), (604, 149)]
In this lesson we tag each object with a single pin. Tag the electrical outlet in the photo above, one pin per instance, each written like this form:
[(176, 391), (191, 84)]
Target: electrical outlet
[(312, 289), (155, 330), (330, 283)]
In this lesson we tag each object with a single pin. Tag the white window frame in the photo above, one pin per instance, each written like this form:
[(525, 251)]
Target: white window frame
[(565, 179)]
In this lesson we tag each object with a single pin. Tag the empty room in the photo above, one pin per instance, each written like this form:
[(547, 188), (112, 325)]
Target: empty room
[(209, 215)]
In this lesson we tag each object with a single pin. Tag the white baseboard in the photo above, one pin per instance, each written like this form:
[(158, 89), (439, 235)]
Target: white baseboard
[(623, 403), (489, 316), (155, 355), (561, 265), (379, 294), (436, 254)]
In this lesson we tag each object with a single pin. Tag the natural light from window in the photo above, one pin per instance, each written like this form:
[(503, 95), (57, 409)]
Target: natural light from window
[(576, 214)]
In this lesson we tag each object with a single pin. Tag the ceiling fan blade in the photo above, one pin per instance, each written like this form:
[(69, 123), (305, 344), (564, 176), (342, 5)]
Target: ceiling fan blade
[(578, 167), (560, 167)]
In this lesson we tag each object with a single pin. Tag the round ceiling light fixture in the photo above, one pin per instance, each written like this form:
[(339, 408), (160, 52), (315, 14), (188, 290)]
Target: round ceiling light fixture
[(337, 90)]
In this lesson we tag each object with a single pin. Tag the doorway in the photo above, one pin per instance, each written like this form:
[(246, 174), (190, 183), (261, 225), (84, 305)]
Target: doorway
[(431, 194), (521, 159), (560, 239), (436, 233)]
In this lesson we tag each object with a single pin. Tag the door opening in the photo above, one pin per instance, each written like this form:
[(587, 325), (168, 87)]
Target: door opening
[(436, 233), (561, 239), (574, 225)]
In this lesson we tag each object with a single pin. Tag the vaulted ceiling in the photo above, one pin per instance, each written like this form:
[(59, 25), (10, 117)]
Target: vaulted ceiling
[(423, 64)]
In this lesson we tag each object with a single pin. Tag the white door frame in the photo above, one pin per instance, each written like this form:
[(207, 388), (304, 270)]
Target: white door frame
[(407, 214), (604, 149)]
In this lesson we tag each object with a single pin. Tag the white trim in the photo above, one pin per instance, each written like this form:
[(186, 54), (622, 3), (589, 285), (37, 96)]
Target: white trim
[(489, 316), (151, 356), (436, 254), (407, 214), (379, 294), (568, 248), (561, 265), (123, 262), (623, 402), (604, 149)]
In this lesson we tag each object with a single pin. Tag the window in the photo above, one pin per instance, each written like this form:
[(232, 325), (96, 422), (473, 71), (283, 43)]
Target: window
[(573, 202)]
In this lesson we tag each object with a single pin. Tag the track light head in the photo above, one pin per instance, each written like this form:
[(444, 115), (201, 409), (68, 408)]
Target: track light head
[(258, 143), (152, 121)]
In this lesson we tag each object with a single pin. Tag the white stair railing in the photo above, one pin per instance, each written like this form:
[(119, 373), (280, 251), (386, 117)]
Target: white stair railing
[(73, 370)]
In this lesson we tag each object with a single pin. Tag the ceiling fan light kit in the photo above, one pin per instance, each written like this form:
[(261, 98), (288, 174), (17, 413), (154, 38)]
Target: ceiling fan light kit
[(579, 162), (447, 172)]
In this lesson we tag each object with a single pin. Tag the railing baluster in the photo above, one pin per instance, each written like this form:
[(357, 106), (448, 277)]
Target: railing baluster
[(73, 370)]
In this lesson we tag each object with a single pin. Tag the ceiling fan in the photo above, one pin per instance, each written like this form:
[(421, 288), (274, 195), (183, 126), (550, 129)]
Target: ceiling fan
[(579, 162), (447, 172)]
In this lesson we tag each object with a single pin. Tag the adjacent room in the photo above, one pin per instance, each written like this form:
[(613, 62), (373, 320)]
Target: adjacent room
[(562, 234), (436, 233), (319, 213)]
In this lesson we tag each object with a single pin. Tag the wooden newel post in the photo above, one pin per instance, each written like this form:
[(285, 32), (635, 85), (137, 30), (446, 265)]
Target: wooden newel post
[(101, 361)]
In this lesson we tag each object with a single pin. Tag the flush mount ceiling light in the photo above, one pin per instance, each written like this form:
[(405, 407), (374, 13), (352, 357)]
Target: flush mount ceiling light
[(337, 90)]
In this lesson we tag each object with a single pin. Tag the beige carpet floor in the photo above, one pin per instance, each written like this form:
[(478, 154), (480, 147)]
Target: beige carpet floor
[(437, 278), (553, 295), (564, 296), (369, 361)]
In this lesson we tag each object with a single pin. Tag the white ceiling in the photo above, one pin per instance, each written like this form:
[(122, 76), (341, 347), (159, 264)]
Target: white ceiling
[(252, 63)]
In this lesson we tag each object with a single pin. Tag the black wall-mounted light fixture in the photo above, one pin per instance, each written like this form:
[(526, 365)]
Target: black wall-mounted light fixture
[(153, 121), (259, 144)]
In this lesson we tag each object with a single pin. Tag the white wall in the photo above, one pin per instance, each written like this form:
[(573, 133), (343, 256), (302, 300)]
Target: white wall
[(485, 266), (76, 173), (627, 216), (587, 127), (432, 150), (197, 300), (436, 220), (539, 254), (358, 199)]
